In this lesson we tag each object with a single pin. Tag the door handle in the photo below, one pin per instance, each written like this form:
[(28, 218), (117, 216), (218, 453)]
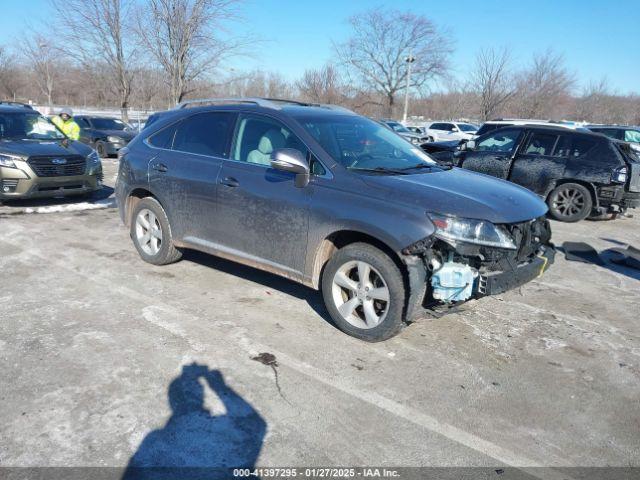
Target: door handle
[(230, 182), (160, 167)]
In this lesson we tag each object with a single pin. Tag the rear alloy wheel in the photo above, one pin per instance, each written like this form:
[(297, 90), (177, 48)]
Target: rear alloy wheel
[(364, 292), (151, 233), (570, 202)]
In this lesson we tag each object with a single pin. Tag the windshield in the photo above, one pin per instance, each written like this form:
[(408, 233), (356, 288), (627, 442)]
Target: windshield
[(467, 127), (358, 143), (108, 124), (27, 126)]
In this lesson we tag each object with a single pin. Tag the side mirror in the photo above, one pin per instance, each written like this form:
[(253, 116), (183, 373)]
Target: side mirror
[(292, 161), (455, 129), (470, 145)]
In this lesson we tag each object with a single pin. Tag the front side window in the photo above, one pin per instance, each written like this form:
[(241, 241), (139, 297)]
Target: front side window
[(205, 134), (504, 141), (258, 137), (27, 126), (541, 144), (358, 143), (632, 136)]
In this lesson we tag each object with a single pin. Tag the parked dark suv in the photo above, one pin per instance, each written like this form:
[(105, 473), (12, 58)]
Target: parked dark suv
[(577, 172), (106, 135), (330, 199)]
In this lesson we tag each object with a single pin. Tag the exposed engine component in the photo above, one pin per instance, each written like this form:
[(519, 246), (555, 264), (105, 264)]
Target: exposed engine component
[(453, 282)]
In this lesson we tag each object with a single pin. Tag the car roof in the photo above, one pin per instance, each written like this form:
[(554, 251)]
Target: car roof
[(16, 109), (556, 128)]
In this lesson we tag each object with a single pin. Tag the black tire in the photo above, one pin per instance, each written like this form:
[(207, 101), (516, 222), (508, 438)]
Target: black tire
[(101, 148), (570, 202), (389, 274), (167, 252)]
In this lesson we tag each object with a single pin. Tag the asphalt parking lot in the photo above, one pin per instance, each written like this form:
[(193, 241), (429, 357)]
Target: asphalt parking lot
[(99, 349)]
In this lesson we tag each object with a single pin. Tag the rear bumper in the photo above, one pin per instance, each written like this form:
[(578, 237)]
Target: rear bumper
[(494, 283), (112, 148), (614, 198)]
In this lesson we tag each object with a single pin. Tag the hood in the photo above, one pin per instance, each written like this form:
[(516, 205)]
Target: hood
[(124, 134), (461, 193), (29, 148)]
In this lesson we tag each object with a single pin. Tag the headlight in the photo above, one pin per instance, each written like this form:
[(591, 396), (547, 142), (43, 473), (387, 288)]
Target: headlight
[(619, 175), (114, 139), (415, 141), (93, 158), (8, 160), (480, 232)]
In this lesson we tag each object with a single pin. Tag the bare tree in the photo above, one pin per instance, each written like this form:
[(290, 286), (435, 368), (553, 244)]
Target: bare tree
[(382, 40), (42, 60), (180, 35), (11, 75), (323, 85), (492, 81), (95, 31), (544, 86)]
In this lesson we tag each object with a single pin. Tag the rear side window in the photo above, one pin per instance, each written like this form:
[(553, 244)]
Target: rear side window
[(574, 146), (442, 126), (581, 146), (541, 144), (632, 136), (164, 138), (205, 134)]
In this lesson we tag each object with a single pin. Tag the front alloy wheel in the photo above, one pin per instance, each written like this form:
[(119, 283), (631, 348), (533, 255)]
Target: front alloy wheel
[(364, 292), (361, 294)]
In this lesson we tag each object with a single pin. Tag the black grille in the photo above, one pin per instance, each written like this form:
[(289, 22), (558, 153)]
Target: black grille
[(58, 166)]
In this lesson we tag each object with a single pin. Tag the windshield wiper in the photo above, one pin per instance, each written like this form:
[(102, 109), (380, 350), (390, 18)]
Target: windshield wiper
[(427, 165), (380, 170)]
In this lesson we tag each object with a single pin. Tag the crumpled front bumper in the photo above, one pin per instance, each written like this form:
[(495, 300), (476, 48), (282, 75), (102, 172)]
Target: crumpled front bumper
[(494, 283)]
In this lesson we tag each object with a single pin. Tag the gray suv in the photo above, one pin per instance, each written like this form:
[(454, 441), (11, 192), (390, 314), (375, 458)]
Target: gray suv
[(330, 199)]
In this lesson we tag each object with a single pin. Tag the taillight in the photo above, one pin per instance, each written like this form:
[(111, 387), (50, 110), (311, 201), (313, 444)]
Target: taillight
[(619, 175)]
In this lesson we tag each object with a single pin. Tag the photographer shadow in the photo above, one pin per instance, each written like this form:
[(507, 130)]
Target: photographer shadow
[(194, 444)]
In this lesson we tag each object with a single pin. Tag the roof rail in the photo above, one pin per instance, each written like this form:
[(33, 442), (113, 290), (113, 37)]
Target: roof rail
[(261, 102), (273, 103), (11, 103)]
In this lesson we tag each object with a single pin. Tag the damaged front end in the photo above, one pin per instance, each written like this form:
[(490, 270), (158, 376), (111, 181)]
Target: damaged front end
[(468, 258)]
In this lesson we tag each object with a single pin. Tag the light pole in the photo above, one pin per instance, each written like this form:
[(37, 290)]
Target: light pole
[(410, 59)]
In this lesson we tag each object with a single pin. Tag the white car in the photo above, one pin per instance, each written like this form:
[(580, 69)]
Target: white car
[(443, 131)]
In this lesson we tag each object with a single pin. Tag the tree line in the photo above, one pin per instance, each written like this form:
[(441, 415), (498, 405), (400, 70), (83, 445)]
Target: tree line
[(153, 54)]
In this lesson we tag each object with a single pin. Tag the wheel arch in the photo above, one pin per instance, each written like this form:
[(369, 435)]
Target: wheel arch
[(341, 238), (133, 199)]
